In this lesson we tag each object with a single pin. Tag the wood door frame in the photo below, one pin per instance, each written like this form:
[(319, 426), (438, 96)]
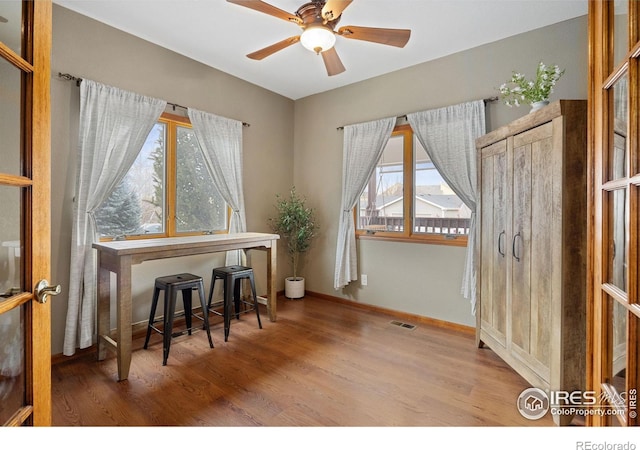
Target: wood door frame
[(35, 183), (603, 71), (40, 370), (599, 64)]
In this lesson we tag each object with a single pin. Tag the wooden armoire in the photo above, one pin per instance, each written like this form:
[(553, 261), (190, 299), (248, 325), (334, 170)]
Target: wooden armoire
[(531, 245)]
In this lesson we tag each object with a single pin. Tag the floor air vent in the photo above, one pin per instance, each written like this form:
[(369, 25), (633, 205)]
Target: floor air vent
[(408, 326)]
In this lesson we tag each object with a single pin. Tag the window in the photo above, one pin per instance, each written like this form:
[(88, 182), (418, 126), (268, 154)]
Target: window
[(407, 199), (167, 192)]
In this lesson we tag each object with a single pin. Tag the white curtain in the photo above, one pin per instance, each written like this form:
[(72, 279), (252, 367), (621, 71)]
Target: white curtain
[(362, 148), (448, 135), (114, 125), (221, 142)]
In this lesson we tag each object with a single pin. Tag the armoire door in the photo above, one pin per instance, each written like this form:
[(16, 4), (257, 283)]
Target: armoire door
[(25, 317), (532, 243), (495, 240), (614, 159)]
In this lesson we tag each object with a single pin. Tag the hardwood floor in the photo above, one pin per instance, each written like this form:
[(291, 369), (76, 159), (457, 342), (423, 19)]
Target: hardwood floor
[(321, 364)]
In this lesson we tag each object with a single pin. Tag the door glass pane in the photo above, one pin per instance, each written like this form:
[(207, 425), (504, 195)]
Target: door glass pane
[(136, 205), (199, 205), (621, 30), (614, 387), (10, 124), (619, 342), (618, 239), (436, 208), (11, 24), (381, 205), (12, 379), (10, 245), (618, 154)]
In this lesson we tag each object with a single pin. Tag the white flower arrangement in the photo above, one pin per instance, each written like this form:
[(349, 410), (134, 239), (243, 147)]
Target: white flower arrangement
[(519, 91)]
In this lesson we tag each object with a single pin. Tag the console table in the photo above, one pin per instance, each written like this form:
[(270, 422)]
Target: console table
[(119, 256)]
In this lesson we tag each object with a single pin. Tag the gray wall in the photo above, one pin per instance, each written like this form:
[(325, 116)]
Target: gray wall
[(281, 148)]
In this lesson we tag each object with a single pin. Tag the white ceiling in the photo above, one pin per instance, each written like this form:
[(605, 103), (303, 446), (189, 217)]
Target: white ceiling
[(220, 34)]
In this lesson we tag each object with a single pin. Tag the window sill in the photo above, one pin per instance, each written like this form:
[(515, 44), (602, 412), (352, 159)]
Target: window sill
[(451, 240), (133, 237)]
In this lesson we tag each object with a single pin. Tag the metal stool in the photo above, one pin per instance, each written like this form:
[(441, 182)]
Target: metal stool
[(232, 276), (171, 284)]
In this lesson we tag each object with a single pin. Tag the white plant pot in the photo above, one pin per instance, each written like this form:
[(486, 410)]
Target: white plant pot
[(294, 287)]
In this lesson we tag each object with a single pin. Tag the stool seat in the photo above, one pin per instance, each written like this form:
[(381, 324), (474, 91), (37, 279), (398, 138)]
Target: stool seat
[(170, 285), (232, 277)]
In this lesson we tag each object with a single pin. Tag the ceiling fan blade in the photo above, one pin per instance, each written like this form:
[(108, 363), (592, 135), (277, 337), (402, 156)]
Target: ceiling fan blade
[(387, 36), (270, 50), (332, 62), (266, 8), (333, 8)]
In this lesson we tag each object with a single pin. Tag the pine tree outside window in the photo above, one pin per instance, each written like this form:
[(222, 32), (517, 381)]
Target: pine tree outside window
[(167, 192)]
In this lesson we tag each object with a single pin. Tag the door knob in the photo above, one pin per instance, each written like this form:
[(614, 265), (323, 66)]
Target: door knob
[(43, 289)]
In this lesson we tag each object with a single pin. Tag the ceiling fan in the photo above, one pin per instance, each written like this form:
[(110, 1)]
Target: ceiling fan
[(318, 20)]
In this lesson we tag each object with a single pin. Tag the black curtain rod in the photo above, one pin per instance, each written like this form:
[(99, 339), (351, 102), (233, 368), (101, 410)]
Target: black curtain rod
[(404, 116), (175, 105), (69, 77)]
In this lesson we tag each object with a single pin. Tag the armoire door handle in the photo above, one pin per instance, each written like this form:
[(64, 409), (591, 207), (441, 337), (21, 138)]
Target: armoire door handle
[(513, 246), (500, 247)]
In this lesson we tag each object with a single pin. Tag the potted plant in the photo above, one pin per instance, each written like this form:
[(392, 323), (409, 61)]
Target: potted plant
[(296, 224), (518, 90)]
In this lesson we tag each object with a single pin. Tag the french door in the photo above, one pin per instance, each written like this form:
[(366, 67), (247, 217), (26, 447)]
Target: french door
[(25, 328), (614, 309)]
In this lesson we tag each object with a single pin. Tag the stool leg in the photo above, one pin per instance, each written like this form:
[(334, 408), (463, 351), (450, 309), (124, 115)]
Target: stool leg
[(205, 313), (213, 283), (228, 300), (237, 292), (152, 315), (170, 306), (255, 299), (186, 301)]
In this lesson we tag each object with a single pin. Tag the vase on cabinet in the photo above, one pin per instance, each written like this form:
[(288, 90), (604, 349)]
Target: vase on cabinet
[(537, 105)]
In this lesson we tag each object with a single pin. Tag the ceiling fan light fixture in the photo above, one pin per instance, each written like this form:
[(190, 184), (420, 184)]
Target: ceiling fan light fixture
[(318, 38)]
